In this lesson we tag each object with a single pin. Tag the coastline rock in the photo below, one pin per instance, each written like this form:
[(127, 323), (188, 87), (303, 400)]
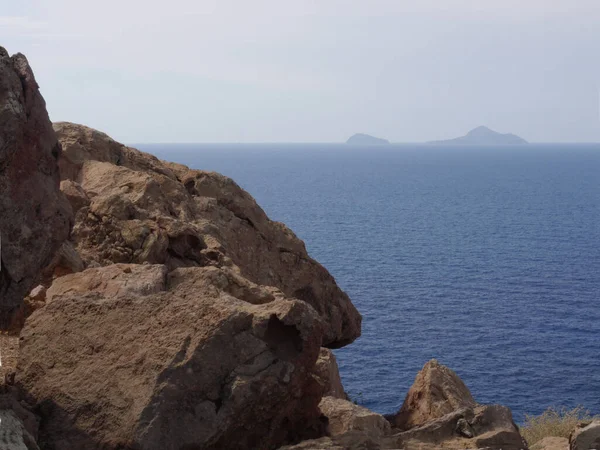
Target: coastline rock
[(345, 416), (436, 391), (34, 217), (586, 436), (143, 210), (328, 374), (490, 426), (119, 355)]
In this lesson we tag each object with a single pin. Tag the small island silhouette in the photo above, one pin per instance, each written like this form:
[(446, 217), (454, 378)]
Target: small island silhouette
[(360, 138), (484, 136)]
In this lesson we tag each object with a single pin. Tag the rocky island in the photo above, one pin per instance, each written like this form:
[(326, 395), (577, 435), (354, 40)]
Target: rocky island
[(149, 306), (484, 136), (365, 139)]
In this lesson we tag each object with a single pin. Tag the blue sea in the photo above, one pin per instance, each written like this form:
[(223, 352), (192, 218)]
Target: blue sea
[(487, 259)]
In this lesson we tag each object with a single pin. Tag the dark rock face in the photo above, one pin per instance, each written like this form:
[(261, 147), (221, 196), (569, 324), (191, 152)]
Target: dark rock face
[(34, 216)]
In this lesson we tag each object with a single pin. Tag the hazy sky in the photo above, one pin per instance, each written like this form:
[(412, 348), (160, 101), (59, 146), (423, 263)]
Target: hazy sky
[(296, 70)]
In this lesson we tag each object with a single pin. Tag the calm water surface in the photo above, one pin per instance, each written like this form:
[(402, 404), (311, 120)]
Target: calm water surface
[(487, 259)]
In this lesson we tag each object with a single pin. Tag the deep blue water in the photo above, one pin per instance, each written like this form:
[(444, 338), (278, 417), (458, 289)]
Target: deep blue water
[(487, 259)]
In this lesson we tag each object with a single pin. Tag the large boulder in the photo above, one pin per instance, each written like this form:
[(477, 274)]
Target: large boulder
[(133, 208), (34, 216), (586, 436), (481, 427), (328, 374), (130, 356), (436, 391), (344, 416)]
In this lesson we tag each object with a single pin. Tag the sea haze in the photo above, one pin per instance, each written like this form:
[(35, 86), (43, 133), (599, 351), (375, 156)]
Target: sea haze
[(487, 259)]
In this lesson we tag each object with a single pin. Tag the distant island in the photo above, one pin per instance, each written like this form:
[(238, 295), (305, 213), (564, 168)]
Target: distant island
[(484, 136), (360, 138)]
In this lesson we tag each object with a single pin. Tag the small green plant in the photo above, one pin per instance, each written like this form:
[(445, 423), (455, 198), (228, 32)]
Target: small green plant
[(553, 422)]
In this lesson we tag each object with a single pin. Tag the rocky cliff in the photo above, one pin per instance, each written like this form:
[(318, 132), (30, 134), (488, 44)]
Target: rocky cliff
[(177, 315), (34, 217)]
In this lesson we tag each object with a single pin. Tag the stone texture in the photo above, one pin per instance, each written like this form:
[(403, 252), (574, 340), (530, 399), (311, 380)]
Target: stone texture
[(492, 427), (586, 436), (345, 416), (327, 372), (34, 218), (551, 443), (124, 357), (143, 210), (436, 391)]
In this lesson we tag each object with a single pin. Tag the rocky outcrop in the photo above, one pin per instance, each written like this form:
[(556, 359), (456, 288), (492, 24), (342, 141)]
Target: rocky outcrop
[(586, 436), (344, 416), (440, 411), (436, 391), (130, 356), (327, 372), (484, 426), (133, 208), (34, 218)]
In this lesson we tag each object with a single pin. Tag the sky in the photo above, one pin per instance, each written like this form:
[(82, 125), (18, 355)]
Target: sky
[(314, 70)]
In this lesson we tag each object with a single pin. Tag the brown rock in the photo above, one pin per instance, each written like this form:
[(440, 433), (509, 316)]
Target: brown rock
[(551, 443), (436, 391), (119, 358), (491, 426), (143, 210), (345, 416), (326, 370), (34, 218), (112, 281), (586, 436)]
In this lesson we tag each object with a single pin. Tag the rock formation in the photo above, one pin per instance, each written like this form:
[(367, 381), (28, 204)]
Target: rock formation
[(439, 410), (586, 436), (34, 217), (436, 391), (327, 372), (176, 315), (132, 208), (131, 356)]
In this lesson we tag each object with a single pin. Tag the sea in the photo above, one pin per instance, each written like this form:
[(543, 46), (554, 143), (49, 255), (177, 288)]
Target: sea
[(485, 258)]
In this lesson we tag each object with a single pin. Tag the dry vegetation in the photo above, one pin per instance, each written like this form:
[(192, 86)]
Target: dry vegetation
[(553, 422)]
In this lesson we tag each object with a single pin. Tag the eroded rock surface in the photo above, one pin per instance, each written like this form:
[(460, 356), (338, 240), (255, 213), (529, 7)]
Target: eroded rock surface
[(34, 217), (133, 208), (345, 416), (436, 391), (586, 436), (327, 372), (128, 356)]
